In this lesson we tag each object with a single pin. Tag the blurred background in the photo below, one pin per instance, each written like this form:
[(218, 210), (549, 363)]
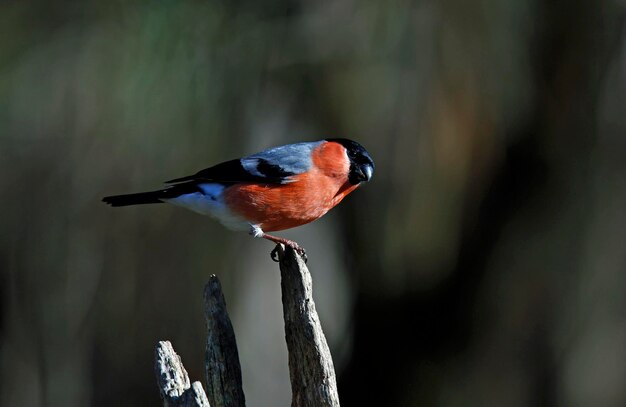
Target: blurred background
[(484, 265)]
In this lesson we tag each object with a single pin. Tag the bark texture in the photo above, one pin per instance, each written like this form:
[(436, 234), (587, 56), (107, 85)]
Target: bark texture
[(173, 381), (311, 370), (223, 371)]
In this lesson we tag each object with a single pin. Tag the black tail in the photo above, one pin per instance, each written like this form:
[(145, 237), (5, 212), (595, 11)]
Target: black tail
[(134, 199)]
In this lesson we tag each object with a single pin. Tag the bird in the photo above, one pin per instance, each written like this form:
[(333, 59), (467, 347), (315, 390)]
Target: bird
[(276, 189)]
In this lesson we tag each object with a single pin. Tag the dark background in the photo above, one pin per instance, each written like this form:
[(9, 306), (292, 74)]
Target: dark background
[(484, 265)]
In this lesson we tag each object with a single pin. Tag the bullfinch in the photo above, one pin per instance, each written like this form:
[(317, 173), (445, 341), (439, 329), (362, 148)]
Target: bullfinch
[(277, 189)]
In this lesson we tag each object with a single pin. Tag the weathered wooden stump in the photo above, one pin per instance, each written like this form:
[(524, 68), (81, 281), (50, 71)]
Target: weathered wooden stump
[(311, 370)]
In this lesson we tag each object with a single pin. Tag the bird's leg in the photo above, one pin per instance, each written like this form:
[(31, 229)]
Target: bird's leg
[(258, 232)]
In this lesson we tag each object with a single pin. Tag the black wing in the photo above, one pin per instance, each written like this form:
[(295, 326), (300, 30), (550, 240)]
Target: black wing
[(233, 171), (273, 166)]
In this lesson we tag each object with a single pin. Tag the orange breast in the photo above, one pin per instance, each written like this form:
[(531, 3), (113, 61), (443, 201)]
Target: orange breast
[(308, 197)]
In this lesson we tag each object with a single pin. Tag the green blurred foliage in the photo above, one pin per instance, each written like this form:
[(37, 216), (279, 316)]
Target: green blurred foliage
[(483, 265)]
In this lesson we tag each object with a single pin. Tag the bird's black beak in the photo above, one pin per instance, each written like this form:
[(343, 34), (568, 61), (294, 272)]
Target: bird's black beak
[(363, 173), (368, 171)]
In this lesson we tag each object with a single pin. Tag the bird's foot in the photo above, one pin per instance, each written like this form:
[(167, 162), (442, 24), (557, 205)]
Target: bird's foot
[(290, 243)]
